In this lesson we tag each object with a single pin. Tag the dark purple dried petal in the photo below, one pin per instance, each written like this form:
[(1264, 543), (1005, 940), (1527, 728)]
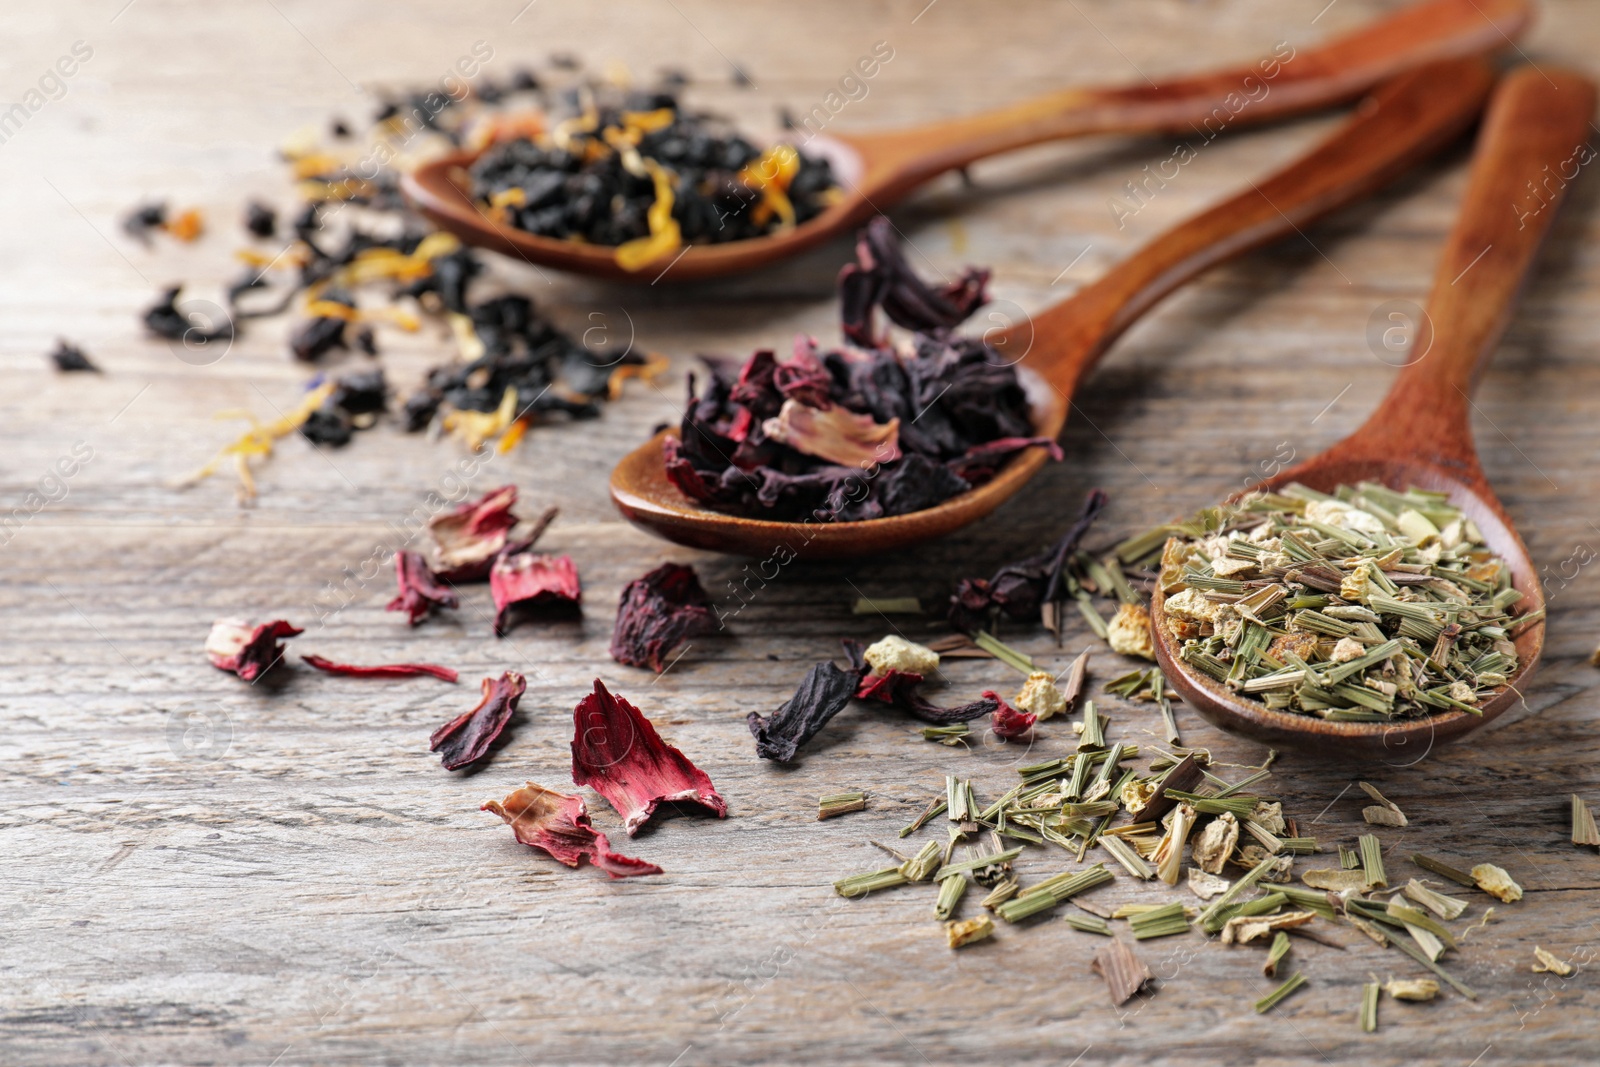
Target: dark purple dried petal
[(419, 592), (659, 612), (823, 693), (466, 738)]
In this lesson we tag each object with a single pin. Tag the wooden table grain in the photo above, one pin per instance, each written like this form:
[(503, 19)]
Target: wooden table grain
[(202, 871)]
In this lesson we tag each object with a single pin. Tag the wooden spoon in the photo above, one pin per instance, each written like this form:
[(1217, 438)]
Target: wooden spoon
[(1403, 123), (1534, 136), (877, 170)]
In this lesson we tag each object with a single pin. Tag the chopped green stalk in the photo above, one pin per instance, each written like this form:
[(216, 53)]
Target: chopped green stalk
[(1003, 891), (1050, 892), (1126, 855), (974, 862), (1237, 889), (1160, 922), (1372, 860), (1444, 870), (1276, 997), (1418, 955), (1275, 954), (920, 868), (934, 807), (1089, 924), (1349, 858), (1092, 617), (1370, 992), (1308, 899), (1093, 735), (1003, 652), (946, 735), (840, 803), (857, 885), (1441, 905), (950, 893)]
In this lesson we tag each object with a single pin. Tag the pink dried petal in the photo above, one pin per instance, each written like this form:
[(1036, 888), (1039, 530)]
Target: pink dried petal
[(246, 650), (386, 670), (420, 591), (836, 435), (475, 531), (558, 825), (530, 582), (466, 738), (658, 613), (1007, 721), (617, 753)]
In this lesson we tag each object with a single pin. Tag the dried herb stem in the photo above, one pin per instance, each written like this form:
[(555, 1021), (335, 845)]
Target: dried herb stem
[(1277, 996), (840, 803)]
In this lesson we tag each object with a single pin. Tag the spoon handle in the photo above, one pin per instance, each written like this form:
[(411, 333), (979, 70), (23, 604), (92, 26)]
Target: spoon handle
[(1283, 81), (1403, 123), (1533, 144)]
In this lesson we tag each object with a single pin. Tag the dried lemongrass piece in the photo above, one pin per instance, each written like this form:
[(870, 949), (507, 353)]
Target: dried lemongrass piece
[(1584, 831), (951, 890), (1206, 886), (1369, 1006), (1275, 954), (920, 868), (935, 806), (967, 931), (1003, 891), (1277, 996), (1160, 921), (1482, 922), (1372, 861), (840, 803), (1441, 905), (1548, 963), (1089, 924), (1383, 813), (859, 885), (1414, 989), (1496, 882), (1349, 858), (1123, 971), (1091, 731), (1335, 881), (1443, 869), (1169, 854), (1126, 855), (1050, 892), (1216, 843)]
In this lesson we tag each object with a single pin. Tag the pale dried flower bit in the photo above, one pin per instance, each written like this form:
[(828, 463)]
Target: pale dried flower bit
[(1383, 813), (967, 931), (1415, 989), (1206, 886), (1129, 632), (1040, 696), (895, 653), (1496, 882), (1214, 846), (1548, 963), (1336, 881)]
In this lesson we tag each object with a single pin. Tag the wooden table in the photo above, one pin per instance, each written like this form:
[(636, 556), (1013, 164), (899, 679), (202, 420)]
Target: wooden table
[(202, 871)]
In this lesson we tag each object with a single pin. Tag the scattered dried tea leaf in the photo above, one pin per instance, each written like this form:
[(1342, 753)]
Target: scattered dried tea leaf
[(894, 653), (246, 650), (558, 825), (617, 753), (659, 612), (1335, 880), (1496, 882), (527, 583), (386, 670), (966, 931), (1215, 845), (1206, 885), (1129, 632), (900, 689), (1022, 589), (420, 591), (1415, 989), (822, 694), (1385, 812), (1548, 963), (840, 804), (69, 357), (1275, 954), (466, 739), (1123, 971)]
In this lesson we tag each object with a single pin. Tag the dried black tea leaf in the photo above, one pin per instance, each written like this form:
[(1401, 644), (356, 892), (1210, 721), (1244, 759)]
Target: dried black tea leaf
[(69, 357), (823, 693)]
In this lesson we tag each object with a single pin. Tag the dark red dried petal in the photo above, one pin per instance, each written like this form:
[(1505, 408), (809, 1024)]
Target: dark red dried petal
[(246, 650), (899, 688), (386, 670), (823, 693), (527, 583), (1008, 722), (558, 824), (474, 532), (979, 463), (658, 613), (466, 738), (1020, 588), (683, 474), (618, 754), (420, 591)]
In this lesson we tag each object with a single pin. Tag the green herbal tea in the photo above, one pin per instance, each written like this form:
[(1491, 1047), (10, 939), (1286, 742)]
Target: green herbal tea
[(1364, 606)]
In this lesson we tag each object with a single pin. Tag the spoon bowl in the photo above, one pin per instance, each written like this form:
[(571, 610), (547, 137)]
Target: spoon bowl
[(877, 170), (1420, 436), (1404, 122)]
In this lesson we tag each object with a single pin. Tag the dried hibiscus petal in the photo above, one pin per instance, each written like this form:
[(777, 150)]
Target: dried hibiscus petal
[(823, 693), (474, 533), (835, 435), (466, 738), (1008, 722), (558, 825), (1020, 589), (246, 650), (658, 613), (386, 670), (618, 754), (420, 590), (899, 688), (527, 582)]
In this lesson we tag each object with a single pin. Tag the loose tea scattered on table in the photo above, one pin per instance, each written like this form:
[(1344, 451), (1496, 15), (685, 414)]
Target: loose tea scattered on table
[(1030, 589), (245, 649), (386, 670), (528, 584), (617, 753), (863, 431), (558, 824), (465, 739), (657, 613), (1368, 605), (631, 168), (69, 357), (421, 593)]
